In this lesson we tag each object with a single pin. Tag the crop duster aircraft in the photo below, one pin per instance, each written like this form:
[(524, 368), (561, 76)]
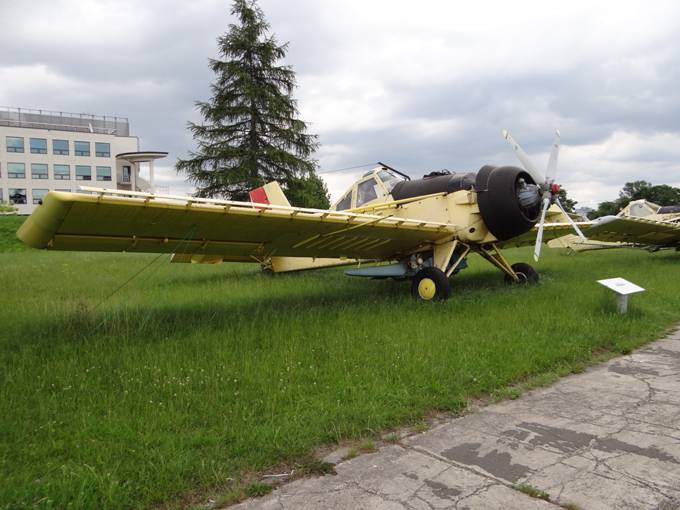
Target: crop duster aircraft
[(640, 224), (419, 229)]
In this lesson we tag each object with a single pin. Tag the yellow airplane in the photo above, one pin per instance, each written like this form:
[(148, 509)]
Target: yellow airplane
[(418, 229), (641, 224)]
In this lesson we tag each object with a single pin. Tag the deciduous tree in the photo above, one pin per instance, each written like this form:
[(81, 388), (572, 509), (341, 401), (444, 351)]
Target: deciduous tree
[(661, 194)]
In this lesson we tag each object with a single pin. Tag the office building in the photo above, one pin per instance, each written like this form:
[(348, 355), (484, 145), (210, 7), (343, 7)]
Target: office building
[(43, 150)]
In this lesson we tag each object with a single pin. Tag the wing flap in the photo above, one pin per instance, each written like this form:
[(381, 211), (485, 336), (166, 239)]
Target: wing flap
[(69, 242)]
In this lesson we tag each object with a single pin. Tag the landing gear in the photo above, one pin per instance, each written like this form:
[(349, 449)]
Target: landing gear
[(526, 274), (431, 284), (516, 273)]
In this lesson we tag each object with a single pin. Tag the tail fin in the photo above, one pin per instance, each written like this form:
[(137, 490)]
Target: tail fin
[(270, 193)]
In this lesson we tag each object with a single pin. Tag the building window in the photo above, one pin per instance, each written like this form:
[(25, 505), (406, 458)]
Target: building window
[(16, 170), (81, 148), (60, 147), (17, 195), (0, 195), (38, 171), (103, 173), (15, 144), (62, 172), (83, 173), (38, 195), (127, 172), (102, 150), (38, 146), (63, 189)]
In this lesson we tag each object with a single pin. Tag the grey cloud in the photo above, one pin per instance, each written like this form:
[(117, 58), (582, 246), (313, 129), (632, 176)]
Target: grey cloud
[(154, 68)]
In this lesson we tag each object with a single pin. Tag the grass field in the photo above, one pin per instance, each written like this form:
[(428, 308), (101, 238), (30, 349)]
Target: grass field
[(192, 376)]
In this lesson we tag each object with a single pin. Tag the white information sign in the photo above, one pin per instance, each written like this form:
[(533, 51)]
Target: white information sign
[(621, 286)]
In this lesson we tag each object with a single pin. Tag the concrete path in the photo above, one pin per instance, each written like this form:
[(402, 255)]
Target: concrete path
[(605, 439)]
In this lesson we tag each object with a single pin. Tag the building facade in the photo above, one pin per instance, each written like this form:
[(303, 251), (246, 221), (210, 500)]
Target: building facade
[(42, 151)]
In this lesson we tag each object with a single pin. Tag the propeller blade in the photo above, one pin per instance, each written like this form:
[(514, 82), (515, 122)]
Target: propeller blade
[(573, 224), (551, 171), (523, 158), (539, 236)]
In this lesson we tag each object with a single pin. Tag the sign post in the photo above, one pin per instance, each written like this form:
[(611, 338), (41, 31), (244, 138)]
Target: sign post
[(622, 288)]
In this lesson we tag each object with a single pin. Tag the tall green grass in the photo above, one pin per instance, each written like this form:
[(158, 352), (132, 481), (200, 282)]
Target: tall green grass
[(8, 228), (196, 374)]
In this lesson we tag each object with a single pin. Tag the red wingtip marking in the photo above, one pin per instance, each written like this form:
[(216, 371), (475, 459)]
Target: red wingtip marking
[(258, 196)]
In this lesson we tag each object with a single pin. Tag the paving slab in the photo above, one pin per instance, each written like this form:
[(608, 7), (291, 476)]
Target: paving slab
[(608, 438)]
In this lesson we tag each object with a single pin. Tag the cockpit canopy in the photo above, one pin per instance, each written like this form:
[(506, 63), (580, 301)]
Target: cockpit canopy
[(373, 185)]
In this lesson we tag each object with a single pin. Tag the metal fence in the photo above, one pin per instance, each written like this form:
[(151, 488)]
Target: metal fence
[(63, 121)]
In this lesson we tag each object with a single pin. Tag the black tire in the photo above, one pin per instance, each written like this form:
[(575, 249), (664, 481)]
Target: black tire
[(430, 284), (527, 274)]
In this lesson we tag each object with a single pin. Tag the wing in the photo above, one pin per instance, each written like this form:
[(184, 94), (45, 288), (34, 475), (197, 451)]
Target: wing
[(111, 220), (550, 231), (630, 229), (576, 244)]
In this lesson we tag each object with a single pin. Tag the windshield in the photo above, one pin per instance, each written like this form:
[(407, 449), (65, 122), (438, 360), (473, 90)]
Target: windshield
[(390, 179), (345, 202), (367, 191)]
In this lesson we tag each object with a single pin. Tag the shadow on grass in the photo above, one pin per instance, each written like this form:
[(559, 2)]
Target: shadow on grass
[(229, 274), (671, 256), (84, 323), (193, 278)]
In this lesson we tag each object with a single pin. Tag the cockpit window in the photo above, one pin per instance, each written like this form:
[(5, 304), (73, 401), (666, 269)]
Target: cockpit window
[(366, 191), (390, 179), (345, 202)]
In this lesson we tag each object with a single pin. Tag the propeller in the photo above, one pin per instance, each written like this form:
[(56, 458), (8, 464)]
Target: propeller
[(549, 190)]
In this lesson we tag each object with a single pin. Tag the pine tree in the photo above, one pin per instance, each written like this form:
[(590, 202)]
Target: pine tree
[(251, 133)]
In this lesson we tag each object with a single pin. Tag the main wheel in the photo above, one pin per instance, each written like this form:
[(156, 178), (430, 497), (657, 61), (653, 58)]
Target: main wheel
[(431, 284), (526, 273)]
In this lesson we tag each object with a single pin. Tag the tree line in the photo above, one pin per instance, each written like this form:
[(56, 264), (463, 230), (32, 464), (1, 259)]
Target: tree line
[(660, 194)]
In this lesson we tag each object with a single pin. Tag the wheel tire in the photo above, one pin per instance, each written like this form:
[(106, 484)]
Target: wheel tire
[(527, 274), (430, 284)]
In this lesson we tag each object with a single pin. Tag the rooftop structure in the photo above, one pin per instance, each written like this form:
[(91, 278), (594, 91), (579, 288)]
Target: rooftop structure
[(63, 121), (42, 150)]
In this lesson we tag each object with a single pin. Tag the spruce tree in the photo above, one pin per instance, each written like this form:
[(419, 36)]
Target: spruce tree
[(251, 133)]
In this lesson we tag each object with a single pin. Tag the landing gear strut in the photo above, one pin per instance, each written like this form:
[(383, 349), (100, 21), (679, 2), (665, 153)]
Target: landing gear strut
[(527, 275), (519, 273), (431, 283)]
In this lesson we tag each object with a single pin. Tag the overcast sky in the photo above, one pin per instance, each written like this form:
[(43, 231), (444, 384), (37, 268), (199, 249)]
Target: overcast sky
[(419, 85)]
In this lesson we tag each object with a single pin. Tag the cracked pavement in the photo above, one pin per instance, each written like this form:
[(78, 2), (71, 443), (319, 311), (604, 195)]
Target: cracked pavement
[(608, 438)]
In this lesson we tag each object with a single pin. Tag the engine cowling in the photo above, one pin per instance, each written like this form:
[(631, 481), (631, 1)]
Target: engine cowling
[(509, 200)]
